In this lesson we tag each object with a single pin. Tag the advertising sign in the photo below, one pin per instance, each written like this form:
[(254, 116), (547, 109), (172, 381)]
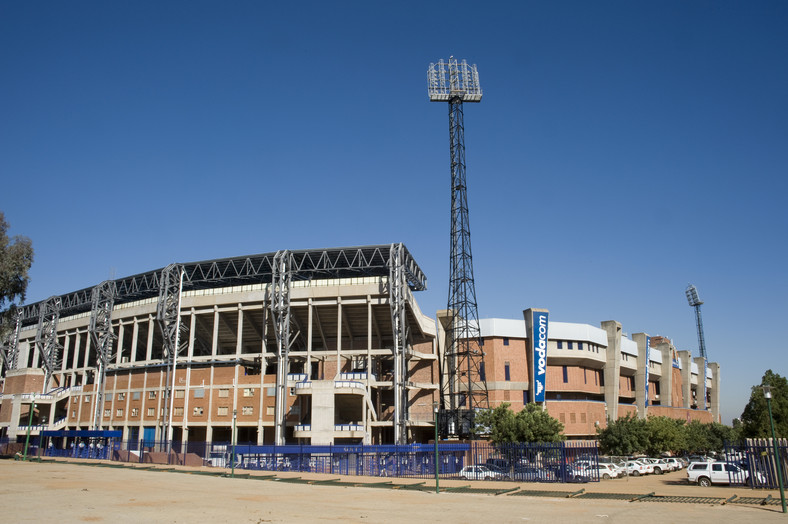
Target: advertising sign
[(648, 363), (540, 355)]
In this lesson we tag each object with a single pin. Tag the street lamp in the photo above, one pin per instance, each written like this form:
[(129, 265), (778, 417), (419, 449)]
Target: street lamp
[(767, 392), (436, 408), (30, 423)]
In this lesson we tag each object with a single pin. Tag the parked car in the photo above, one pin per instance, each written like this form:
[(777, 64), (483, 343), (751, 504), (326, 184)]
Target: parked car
[(529, 473), (659, 465), (567, 473), (634, 468), (677, 464), (498, 464), (603, 470), (479, 472), (504, 473), (719, 472)]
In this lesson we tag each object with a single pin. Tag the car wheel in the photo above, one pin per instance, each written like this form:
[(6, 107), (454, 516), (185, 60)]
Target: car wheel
[(606, 476), (704, 481), (636, 473), (657, 471)]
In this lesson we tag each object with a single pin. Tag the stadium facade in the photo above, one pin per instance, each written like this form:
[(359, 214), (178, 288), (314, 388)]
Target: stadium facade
[(324, 346)]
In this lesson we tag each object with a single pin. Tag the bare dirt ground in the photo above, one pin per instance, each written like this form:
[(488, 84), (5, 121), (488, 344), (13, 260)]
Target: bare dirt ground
[(68, 492)]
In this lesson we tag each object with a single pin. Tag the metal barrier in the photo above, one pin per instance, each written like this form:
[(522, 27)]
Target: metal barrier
[(549, 462)]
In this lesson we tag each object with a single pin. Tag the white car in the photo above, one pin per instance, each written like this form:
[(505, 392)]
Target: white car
[(602, 470), (610, 471), (479, 473), (710, 472), (635, 468), (674, 462), (660, 466)]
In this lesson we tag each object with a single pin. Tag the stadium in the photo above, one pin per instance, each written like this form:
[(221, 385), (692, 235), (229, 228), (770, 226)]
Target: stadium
[(325, 346)]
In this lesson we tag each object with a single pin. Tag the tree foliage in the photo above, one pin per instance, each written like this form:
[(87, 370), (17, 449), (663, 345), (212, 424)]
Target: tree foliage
[(755, 418), (665, 434), (16, 257), (624, 436), (531, 424), (656, 435)]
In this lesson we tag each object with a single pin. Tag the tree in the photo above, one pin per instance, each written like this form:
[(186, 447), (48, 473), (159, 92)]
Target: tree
[(16, 257), (532, 424), (624, 436), (665, 434), (755, 418), (698, 438)]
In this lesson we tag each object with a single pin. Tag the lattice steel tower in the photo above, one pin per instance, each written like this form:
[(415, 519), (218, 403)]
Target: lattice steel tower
[(695, 302), (465, 387)]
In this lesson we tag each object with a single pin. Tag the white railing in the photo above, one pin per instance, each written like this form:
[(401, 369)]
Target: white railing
[(357, 375), (303, 385), (348, 384), (296, 377), (303, 427), (348, 427)]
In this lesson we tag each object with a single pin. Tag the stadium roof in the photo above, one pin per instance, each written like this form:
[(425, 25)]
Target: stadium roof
[(331, 263)]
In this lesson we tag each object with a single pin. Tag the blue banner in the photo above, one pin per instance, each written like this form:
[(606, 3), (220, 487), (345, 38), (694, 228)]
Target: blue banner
[(540, 355), (648, 363)]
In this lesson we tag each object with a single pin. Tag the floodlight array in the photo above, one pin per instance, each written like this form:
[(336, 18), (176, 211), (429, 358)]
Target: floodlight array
[(452, 80)]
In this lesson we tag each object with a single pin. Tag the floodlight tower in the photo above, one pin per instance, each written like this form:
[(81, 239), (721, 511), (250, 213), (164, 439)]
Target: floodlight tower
[(465, 388), (695, 301)]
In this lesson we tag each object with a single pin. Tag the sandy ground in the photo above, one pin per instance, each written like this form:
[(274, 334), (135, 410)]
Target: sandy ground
[(67, 492)]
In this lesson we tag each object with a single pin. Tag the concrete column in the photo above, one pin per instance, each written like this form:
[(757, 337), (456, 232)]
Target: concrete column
[(612, 367), (641, 374), (686, 377), (66, 348), (189, 353), (714, 393), (33, 363), (75, 358), (666, 380), (700, 388), (149, 349), (239, 332), (339, 338), (366, 416), (88, 346), (308, 365), (134, 339), (215, 337)]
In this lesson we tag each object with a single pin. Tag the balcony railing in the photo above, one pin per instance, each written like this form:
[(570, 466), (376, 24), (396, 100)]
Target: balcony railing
[(348, 384), (348, 427)]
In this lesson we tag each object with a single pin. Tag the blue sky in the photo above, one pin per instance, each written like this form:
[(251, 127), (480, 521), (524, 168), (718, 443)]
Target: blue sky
[(622, 150)]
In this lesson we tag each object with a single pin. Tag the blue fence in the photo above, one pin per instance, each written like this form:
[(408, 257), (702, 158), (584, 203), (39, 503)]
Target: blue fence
[(756, 462), (554, 462)]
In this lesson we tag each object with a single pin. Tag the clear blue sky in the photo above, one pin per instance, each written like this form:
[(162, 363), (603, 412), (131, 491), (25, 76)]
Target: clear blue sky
[(622, 150)]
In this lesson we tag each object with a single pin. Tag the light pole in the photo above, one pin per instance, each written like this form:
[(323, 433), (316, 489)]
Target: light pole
[(767, 392), (30, 423), (436, 408), (232, 455)]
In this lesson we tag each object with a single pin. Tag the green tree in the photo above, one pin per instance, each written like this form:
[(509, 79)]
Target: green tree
[(624, 436), (16, 257), (665, 434), (755, 418), (698, 437), (532, 424)]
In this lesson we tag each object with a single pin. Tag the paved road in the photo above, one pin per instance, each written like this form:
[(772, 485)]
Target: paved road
[(64, 492)]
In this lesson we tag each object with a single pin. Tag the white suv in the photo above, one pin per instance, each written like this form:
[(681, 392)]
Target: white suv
[(708, 473)]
